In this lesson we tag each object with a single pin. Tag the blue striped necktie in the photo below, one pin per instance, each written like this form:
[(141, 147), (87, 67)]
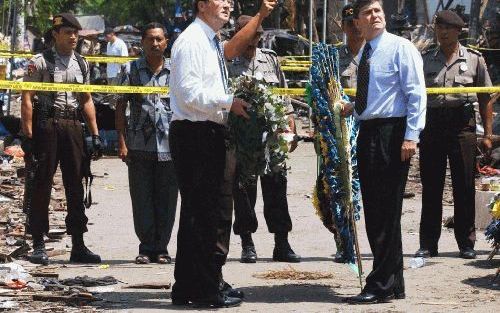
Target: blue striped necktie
[(222, 64)]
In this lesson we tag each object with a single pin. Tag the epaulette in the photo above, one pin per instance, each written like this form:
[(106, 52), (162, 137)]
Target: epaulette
[(269, 51), (471, 50)]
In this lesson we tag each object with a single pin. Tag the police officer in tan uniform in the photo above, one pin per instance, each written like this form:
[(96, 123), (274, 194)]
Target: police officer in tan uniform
[(450, 134), (263, 62), (348, 67), (52, 126), (348, 64)]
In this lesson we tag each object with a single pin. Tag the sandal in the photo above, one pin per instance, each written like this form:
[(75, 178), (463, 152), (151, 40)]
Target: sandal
[(142, 259), (164, 259)]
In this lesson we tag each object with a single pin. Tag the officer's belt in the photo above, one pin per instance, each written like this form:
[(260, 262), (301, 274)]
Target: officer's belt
[(64, 114)]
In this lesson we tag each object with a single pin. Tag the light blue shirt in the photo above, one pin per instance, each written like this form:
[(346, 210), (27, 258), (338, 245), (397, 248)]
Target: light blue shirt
[(397, 83)]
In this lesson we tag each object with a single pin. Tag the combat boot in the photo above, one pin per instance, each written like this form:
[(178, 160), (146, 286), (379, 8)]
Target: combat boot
[(80, 253), (39, 255), (282, 251)]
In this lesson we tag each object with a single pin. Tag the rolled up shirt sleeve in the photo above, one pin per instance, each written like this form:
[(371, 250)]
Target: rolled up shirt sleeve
[(188, 82), (413, 86)]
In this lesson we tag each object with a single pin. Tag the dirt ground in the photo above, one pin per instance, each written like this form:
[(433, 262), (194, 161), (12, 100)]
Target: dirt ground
[(446, 283)]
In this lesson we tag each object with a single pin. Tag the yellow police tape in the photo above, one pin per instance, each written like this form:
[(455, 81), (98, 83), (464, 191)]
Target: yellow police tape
[(443, 90), (90, 58), (295, 69), (5, 84)]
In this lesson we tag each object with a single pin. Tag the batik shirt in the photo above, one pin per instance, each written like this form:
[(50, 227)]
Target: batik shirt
[(150, 114)]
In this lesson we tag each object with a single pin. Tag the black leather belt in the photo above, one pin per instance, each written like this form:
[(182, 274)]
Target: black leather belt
[(66, 114)]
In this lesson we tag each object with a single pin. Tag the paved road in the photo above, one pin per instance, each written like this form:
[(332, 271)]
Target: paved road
[(445, 284)]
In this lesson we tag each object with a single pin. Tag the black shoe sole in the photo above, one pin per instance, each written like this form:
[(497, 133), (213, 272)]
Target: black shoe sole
[(248, 261), (180, 302), (39, 261), (276, 259), (400, 296), (83, 261), (377, 300)]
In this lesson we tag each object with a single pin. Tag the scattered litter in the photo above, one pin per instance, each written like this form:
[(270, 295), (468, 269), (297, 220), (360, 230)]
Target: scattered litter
[(8, 305), (104, 266), (12, 272), (149, 286), (417, 262), (293, 274), (87, 281)]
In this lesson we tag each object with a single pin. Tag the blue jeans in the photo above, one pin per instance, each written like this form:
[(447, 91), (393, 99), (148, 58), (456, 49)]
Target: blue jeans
[(153, 190)]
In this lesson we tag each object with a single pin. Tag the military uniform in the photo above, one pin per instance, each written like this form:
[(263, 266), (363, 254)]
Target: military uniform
[(273, 186), (58, 138), (348, 67), (450, 134)]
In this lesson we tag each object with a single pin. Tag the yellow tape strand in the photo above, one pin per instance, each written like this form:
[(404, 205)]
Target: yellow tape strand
[(430, 91), (5, 84), (90, 58)]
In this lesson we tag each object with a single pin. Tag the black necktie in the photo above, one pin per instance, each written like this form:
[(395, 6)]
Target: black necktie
[(363, 80), (222, 65)]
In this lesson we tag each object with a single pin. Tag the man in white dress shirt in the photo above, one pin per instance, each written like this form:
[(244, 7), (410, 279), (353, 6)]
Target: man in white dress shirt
[(115, 47), (200, 100)]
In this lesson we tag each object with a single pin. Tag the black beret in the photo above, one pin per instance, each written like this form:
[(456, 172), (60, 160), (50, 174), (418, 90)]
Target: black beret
[(347, 13), (243, 20), (66, 19), (450, 18)]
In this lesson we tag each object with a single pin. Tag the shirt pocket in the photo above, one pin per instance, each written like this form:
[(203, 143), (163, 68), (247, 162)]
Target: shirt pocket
[(384, 69), (79, 78), (463, 81)]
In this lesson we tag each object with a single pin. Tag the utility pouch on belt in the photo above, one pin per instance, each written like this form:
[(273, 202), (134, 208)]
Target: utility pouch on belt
[(469, 116)]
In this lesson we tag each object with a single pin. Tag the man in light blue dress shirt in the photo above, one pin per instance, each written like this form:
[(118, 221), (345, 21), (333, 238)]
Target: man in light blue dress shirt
[(390, 103)]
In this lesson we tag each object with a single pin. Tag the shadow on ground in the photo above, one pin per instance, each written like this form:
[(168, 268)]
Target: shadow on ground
[(292, 293), (487, 282)]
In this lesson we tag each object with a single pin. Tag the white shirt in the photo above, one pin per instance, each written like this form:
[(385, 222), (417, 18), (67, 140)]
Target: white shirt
[(117, 48), (397, 84), (196, 84)]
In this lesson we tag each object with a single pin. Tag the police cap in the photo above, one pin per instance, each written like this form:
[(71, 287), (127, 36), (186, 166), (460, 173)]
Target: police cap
[(347, 13), (66, 19), (450, 18), (243, 20)]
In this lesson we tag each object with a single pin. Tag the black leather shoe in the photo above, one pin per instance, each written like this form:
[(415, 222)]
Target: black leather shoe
[(220, 302), (39, 256), (399, 296), (368, 298), (339, 257), (285, 254), (248, 255), (467, 253), (231, 292), (425, 253), (83, 255), (180, 301)]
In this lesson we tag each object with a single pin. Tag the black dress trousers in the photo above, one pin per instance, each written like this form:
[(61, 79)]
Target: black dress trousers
[(383, 178), (198, 152)]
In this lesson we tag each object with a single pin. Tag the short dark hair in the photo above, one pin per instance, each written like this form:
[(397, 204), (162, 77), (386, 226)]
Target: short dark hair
[(109, 30), (359, 4), (153, 25), (195, 7)]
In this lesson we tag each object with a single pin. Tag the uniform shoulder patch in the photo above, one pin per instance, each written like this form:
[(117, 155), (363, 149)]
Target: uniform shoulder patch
[(269, 51)]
